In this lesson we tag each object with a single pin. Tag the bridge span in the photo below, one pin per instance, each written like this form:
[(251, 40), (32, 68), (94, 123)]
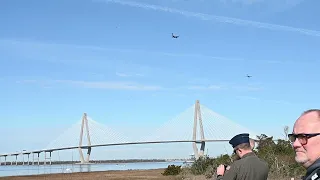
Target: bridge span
[(85, 130)]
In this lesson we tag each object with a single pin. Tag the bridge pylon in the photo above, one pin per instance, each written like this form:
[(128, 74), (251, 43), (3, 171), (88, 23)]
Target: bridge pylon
[(197, 117), (84, 124)]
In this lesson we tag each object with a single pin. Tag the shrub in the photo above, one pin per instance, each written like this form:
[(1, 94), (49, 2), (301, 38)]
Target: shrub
[(172, 170), (206, 165), (280, 157), (200, 165)]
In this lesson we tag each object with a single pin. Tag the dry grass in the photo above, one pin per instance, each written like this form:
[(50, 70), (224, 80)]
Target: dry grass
[(112, 175), (154, 174)]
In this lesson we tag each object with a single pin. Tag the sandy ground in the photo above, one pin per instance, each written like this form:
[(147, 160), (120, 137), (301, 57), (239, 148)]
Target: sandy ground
[(113, 175)]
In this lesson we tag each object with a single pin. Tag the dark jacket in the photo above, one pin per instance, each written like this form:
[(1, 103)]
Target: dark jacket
[(313, 172), (249, 167)]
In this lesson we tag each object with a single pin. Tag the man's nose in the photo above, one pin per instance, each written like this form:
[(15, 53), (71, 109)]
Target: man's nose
[(296, 143)]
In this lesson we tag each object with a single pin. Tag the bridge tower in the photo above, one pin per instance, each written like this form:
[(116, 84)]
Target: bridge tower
[(197, 117), (84, 125)]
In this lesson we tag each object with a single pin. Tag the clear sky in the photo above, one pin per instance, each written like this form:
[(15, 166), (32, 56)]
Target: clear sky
[(116, 60)]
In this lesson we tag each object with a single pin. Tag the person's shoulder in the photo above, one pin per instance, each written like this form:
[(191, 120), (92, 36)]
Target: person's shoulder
[(263, 162), (236, 163), (315, 175), (258, 161), (240, 162)]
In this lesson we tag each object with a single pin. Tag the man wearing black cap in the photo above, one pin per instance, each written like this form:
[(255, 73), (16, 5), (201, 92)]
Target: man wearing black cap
[(248, 167)]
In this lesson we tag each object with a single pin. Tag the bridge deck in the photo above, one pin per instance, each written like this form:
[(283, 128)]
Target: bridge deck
[(111, 144)]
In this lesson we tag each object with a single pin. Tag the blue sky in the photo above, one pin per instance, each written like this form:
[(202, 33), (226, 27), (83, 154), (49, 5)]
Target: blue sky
[(116, 61)]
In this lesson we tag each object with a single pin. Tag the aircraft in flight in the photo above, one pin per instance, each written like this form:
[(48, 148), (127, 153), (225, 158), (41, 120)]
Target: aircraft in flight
[(248, 76), (174, 36)]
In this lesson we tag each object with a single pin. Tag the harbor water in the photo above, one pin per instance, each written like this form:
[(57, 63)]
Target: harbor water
[(19, 170)]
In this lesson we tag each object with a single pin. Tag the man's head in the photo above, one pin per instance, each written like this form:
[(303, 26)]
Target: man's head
[(241, 144), (306, 137)]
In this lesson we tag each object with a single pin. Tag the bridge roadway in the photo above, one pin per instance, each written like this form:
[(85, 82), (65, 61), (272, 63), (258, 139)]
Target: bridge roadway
[(110, 144)]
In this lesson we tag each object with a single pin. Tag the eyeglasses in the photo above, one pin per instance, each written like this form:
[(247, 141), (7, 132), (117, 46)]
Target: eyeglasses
[(302, 138)]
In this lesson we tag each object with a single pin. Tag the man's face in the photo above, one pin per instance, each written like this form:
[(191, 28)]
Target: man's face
[(307, 153)]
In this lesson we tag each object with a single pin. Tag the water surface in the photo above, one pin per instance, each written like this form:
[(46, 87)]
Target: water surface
[(13, 170)]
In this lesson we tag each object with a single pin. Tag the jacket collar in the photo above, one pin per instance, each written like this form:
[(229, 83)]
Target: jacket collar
[(248, 154), (314, 166)]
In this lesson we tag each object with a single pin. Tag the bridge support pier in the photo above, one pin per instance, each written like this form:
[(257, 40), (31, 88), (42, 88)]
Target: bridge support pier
[(47, 158), (16, 159), (28, 159), (5, 161), (38, 158), (197, 117), (84, 124)]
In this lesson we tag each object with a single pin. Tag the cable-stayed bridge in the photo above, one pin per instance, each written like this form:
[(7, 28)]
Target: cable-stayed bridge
[(196, 126)]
